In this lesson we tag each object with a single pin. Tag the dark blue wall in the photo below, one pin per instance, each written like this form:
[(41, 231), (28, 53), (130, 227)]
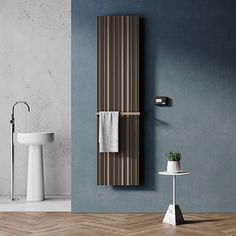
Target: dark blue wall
[(188, 53)]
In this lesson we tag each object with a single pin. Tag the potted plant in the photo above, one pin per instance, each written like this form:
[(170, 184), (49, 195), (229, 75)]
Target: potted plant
[(173, 164)]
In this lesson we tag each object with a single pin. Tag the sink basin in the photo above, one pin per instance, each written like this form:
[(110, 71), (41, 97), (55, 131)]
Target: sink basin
[(35, 179), (35, 138)]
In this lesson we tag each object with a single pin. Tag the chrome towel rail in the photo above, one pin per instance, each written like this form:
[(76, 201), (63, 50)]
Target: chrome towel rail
[(127, 113)]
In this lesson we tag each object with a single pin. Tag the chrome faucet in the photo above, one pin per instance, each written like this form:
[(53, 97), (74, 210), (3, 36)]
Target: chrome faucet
[(12, 121)]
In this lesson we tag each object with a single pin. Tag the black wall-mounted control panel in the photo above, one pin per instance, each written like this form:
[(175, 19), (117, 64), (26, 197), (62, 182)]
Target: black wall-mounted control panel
[(161, 101)]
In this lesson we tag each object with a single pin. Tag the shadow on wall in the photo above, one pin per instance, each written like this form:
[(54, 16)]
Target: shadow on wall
[(162, 123), (147, 107)]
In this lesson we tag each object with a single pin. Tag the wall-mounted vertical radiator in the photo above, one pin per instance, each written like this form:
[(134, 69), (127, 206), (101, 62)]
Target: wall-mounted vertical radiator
[(118, 90)]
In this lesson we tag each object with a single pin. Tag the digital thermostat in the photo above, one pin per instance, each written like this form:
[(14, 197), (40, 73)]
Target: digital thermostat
[(161, 101)]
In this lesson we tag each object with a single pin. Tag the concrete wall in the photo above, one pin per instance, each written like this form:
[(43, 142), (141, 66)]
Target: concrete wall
[(188, 53), (35, 67)]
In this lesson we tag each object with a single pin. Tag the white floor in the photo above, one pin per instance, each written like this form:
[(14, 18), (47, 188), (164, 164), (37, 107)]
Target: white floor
[(50, 204)]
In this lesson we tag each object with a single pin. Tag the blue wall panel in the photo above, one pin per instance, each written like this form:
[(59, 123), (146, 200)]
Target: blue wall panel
[(188, 53)]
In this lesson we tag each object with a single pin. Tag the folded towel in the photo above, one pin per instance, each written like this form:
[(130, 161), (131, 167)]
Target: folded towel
[(108, 131)]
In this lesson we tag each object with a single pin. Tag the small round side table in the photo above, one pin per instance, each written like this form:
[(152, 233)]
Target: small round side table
[(173, 214)]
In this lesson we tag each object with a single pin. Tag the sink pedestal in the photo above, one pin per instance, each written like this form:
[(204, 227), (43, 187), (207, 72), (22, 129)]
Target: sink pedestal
[(35, 180)]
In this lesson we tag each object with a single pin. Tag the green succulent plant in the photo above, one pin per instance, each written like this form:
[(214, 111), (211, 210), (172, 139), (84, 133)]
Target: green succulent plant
[(173, 156)]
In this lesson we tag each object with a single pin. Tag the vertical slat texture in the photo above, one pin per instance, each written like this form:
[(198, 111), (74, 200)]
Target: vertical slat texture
[(118, 90)]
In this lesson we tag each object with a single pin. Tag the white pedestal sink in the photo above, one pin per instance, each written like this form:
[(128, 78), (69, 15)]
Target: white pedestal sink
[(35, 179)]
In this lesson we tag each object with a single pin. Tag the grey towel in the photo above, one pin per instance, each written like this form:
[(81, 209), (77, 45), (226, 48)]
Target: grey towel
[(108, 131)]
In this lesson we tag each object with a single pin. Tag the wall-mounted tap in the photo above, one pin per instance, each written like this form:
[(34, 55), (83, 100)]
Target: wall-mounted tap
[(12, 121)]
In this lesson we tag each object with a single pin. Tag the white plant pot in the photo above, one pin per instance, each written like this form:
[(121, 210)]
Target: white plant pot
[(173, 166)]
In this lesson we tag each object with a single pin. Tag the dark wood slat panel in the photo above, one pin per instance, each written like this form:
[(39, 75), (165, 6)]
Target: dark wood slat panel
[(118, 90)]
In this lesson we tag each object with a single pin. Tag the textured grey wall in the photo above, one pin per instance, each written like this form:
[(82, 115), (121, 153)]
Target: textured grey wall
[(188, 54), (35, 67)]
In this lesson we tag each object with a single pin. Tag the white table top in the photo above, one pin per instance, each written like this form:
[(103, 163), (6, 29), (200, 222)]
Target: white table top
[(173, 173)]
